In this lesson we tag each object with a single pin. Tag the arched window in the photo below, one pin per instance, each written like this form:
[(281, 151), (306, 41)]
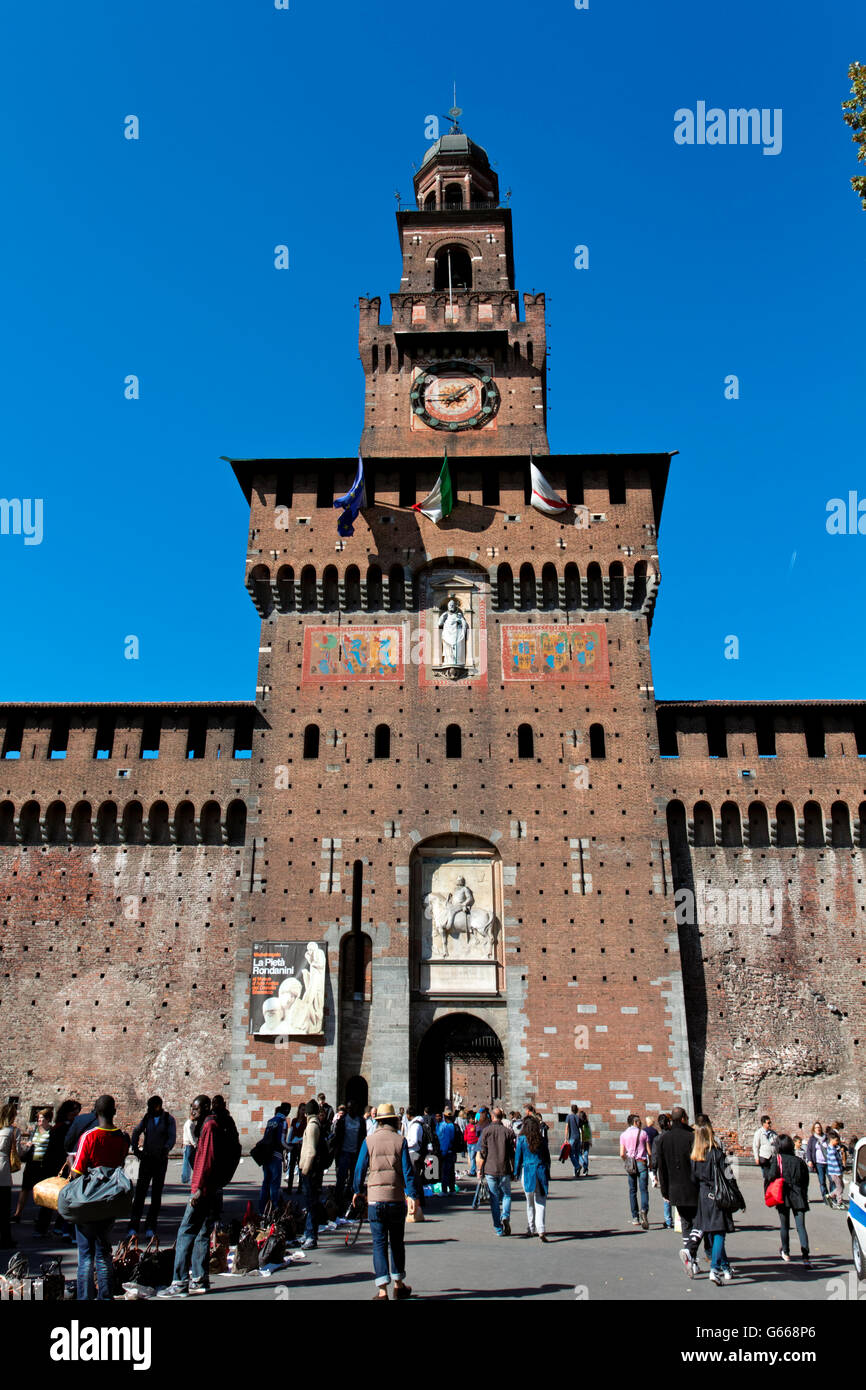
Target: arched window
[(430, 202), (530, 352), (572, 586), (528, 598), (330, 590), (705, 830), (786, 825), (352, 588), (29, 829), (308, 589), (677, 828), (374, 589), (374, 357), (732, 826), (81, 823), (461, 269), (397, 588), (382, 741), (549, 587), (525, 741), (594, 586), (453, 741), (106, 824), (259, 586), (452, 196), (157, 824), (311, 741), (209, 826), (7, 823), (759, 825), (387, 357), (505, 588), (132, 824), (617, 585), (813, 825), (638, 592), (236, 822), (861, 821), (596, 741), (55, 823), (184, 824), (841, 826), (286, 588)]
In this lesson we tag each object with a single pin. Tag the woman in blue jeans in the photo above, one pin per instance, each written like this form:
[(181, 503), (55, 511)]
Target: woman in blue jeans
[(710, 1219), (384, 1164)]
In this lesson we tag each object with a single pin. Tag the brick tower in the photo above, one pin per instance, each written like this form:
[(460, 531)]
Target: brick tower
[(469, 831)]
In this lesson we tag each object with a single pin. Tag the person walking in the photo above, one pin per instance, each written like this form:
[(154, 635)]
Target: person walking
[(497, 1165), (834, 1170), (103, 1146), (764, 1149), (8, 1147), (664, 1123), (385, 1166), (532, 1163), (158, 1132), (574, 1138), (482, 1120), (295, 1140), (470, 1135), (711, 1219), (313, 1161), (326, 1114), (795, 1190), (446, 1134), (34, 1155), (815, 1154), (272, 1168), (349, 1134), (82, 1122), (634, 1151), (188, 1148), (52, 1163), (673, 1156), (585, 1142), (192, 1246)]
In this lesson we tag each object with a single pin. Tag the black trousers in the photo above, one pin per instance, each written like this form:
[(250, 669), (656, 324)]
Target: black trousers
[(150, 1170)]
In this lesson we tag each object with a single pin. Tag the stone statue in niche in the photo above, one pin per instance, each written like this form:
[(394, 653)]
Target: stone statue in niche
[(454, 915), (454, 630)]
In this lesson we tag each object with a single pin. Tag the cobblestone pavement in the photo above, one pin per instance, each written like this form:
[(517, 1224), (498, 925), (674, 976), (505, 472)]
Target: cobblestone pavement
[(593, 1251)]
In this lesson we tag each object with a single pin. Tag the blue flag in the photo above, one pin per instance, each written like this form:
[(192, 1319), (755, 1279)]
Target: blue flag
[(352, 502)]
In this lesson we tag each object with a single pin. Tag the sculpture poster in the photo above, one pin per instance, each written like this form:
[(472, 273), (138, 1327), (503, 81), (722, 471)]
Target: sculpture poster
[(287, 988)]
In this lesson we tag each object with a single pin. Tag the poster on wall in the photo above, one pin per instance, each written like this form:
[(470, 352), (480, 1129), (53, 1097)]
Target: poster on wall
[(557, 653), (360, 653), (287, 988)]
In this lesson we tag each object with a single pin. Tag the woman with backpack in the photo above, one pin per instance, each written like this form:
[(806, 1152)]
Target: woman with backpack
[(795, 1188), (711, 1219)]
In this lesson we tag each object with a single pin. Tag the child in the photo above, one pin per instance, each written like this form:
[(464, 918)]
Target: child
[(834, 1170)]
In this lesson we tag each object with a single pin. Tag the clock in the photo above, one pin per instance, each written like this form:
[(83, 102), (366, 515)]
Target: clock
[(454, 396)]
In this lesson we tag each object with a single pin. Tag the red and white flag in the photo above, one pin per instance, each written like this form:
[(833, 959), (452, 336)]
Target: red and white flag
[(543, 498)]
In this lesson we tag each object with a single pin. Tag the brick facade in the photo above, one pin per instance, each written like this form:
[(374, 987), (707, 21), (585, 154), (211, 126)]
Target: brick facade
[(303, 814)]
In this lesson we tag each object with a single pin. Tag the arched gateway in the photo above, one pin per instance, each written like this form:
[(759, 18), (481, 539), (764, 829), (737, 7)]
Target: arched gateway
[(460, 1061)]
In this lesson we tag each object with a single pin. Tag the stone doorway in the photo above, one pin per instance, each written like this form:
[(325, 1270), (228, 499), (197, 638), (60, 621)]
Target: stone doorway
[(460, 1062)]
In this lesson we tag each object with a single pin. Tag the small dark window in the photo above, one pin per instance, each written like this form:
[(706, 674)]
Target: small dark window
[(813, 825), (311, 741), (667, 727), (815, 736), (55, 823), (243, 740), (330, 589), (616, 486), (705, 830), (786, 825), (285, 489), (841, 826), (594, 586), (150, 732), (759, 826), (397, 588), (103, 745), (13, 735), (106, 824), (308, 589), (765, 728), (617, 585), (549, 587), (236, 822), (528, 598), (572, 587), (717, 737), (596, 741), (352, 589), (196, 739), (505, 588), (382, 741), (525, 741), (453, 741), (638, 593), (374, 589), (59, 740), (732, 827)]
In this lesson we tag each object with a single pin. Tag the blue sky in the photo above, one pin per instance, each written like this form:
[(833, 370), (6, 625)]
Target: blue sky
[(260, 127)]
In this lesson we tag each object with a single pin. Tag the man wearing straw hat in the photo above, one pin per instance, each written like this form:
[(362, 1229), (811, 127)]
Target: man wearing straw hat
[(385, 1165)]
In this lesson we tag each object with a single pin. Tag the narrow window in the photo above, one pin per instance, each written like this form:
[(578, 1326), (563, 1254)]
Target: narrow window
[(308, 589), (59, 740), (572, 587), (196, 739), (732, 827), (759, 826), (717, 736), (397, 588), (150, 732), (596, 741), (352, 587), (505, 588), (13, 736), (813, 825), (525, 741), (243, 739), (765, 728), (453, 741), (330, 590), (236, 823), (382, 741), (705, 830), (786, 826), (841, 826), (667, 728), (549, 587), (311, 741), (528, 599), (815, 736), (374, 590), (617, 585), (594, 586)]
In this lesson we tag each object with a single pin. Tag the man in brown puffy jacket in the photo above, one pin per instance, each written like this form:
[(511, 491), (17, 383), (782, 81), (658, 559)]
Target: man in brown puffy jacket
[(384, 1164), (497, 1165)]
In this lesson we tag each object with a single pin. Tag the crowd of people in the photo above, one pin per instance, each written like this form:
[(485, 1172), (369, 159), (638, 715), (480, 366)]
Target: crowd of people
[(387, 1159)]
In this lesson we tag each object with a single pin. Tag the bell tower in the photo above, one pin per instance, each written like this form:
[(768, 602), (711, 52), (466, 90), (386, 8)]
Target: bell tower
[(457, 368)]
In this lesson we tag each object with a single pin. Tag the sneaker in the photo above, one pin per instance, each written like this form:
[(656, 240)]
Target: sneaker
[(804, 1259), (506, 1228), (716, 1277), (635, 1221), (174, 1290), (727, 1274), (785, 1256), (499, 1231), (688, 1265), (196, 1287), (544, 1238), (310, 1245)]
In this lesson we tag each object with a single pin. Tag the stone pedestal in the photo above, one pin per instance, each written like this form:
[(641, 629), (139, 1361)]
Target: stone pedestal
[(458, 977)]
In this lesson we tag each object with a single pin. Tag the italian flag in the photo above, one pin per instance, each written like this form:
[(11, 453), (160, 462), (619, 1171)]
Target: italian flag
[(543, 497), (440, 502)]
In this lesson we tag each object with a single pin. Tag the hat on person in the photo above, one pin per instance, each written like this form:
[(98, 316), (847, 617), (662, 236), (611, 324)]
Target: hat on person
[(386, 1111)]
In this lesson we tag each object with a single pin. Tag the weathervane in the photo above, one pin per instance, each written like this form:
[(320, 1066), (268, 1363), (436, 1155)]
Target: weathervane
[(454, 114)]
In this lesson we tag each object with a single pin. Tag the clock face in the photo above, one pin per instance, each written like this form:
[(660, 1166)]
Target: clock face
[(454, 396)]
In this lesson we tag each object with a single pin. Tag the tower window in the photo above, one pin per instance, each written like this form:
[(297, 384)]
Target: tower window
[(104, 743), (596, 741), (525, 741), (382, 741), (13, 736), (243, 739), (59, 740), (196, 739), (456, 259), (453, 741), (311, 741), (150, 737), (453, 196), (527, 587)]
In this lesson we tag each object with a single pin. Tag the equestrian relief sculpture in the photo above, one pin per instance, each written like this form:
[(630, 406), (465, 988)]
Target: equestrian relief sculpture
[(455, 917)]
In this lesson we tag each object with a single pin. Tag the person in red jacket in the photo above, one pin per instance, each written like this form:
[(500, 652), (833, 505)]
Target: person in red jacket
[(104, 1146), (204, 1206)]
